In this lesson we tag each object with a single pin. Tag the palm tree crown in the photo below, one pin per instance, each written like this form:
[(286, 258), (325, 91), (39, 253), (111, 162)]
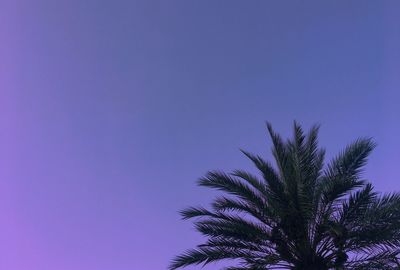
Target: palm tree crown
[(298, 213)]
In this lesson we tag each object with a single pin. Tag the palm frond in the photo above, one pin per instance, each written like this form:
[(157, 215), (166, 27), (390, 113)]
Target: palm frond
[(227, 183)]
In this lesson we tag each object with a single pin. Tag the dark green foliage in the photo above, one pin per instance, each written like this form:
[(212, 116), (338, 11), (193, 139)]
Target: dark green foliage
[(298, 214)]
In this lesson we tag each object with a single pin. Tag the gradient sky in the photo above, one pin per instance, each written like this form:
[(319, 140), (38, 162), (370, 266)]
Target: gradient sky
[(110, 111)]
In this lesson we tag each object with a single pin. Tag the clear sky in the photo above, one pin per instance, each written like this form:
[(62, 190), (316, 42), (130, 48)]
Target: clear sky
[(111, 110)]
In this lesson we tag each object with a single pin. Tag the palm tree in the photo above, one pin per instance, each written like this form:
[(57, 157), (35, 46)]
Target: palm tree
[(298, 214)]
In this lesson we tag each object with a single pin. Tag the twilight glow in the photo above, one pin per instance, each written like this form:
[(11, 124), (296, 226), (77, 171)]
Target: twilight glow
[(110, 110)]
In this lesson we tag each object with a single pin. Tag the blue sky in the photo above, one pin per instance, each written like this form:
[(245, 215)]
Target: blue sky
[(110, 110)]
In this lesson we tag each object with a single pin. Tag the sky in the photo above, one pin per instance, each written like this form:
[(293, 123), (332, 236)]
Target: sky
[(111, 110)]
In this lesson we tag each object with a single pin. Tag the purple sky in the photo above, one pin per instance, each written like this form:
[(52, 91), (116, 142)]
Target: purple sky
[(110, 110)]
